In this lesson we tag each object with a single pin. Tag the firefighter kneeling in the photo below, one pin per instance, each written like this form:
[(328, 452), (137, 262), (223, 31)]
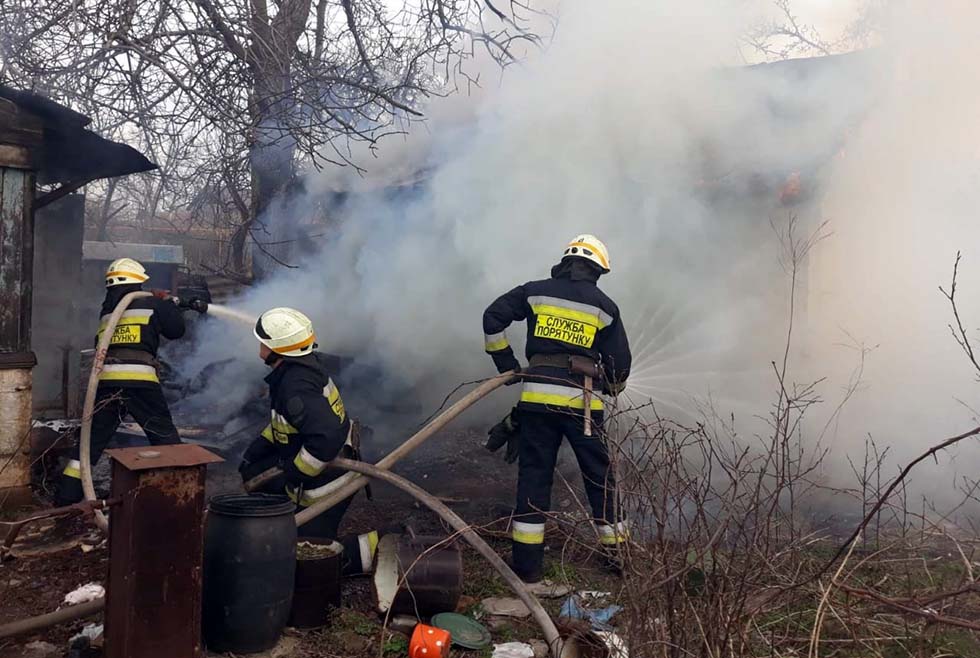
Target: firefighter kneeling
[(309, 427)]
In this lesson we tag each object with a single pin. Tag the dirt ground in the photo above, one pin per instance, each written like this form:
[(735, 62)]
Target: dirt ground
[(55, 559)]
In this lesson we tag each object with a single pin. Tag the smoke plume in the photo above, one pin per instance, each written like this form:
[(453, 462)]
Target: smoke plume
[(641, 125)]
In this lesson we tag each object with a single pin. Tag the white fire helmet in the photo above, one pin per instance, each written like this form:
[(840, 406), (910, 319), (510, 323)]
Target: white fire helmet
[(286, 332), (124, 270), (589, 247)]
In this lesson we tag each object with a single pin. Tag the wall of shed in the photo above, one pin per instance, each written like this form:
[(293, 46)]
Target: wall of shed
[(16, 256), (59, 329)]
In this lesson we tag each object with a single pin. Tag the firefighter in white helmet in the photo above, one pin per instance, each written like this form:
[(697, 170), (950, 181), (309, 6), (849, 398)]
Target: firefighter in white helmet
[(308, 428), (129, 382), (576, 346)]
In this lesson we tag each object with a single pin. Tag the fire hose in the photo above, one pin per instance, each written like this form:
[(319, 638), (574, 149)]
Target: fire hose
[(349, 483), (85, 440), (463, 528), (50, 619)]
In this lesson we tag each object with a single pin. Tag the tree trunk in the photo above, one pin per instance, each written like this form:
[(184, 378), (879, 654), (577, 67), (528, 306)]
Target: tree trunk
[(102, 232), (273, 150)]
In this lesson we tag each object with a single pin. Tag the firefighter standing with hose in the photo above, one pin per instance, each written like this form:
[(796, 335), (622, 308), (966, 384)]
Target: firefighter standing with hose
[(309, 427), (129, 382), (576, 346)]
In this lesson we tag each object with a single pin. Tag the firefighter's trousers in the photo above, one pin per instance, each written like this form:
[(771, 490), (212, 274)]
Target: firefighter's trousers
[(148, 408), (541, 434)]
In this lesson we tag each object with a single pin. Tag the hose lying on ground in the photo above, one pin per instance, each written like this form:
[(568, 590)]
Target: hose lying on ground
[(540, 615), (348, 484), (31, 624), (98, 361)]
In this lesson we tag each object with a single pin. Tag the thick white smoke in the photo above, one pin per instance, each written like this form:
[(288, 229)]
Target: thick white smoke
[(638, 125)]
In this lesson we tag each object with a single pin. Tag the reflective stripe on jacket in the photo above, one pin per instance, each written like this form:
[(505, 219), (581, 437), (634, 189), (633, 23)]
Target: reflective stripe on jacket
[(309, 425), (566, 315), (131, 357)]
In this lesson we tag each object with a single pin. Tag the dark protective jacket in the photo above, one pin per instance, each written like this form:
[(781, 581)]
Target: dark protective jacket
[(131, 359), (309, 426), (566, 315)]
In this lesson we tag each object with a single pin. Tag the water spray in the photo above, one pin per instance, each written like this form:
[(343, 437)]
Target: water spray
[(227, 313)]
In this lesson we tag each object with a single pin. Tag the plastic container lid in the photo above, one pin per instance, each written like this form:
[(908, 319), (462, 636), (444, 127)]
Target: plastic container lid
[(464, 631), (251, 505)]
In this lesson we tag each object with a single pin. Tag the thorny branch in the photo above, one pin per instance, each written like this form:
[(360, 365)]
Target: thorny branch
[(959, 333)]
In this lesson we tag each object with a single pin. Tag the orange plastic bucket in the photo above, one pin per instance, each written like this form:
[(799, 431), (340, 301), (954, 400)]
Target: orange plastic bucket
[(429, 642)]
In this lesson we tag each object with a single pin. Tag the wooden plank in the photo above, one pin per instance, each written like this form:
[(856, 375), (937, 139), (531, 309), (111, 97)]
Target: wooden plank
[(14, 156)]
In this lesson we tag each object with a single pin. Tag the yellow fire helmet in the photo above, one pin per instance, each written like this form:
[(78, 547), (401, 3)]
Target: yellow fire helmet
[(589, 247), (124, 270), (286, 331)]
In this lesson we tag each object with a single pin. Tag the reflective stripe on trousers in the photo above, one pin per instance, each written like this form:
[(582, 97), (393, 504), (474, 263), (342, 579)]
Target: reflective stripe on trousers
[(611, 535), (73, 469), (527, 533), (368, 544)]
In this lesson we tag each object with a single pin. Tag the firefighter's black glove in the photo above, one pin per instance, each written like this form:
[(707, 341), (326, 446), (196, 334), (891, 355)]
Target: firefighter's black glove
[(260, 456), (294, 477), (517, 378), (505, 432), (248, 470), (194, 304)]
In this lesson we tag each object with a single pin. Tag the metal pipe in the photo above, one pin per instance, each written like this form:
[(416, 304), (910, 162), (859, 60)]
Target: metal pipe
[(463, 528), (47, 620), (82, 507), (85, 440), (348, 484)]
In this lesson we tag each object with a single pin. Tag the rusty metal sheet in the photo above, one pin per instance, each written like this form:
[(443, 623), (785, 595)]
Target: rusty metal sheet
[(169, 456)]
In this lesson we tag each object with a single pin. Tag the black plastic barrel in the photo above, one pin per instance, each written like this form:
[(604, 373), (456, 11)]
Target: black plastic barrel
[(249, 570)]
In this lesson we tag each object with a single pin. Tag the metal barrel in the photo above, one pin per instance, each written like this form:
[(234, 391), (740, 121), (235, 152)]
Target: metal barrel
[(429, 570)]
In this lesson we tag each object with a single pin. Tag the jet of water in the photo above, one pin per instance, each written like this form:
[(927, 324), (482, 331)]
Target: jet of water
[(227, 313)]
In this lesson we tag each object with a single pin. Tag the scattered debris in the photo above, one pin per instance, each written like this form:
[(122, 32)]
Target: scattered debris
[(39, 649), (540, 648), (572, 608), (513, 650), (504, 607), (349, 643), (465, 603), (592, 594), (547, 589), (429, 642), (403, 624), (309, 551), (91, 632), (84, 594), (464, 632), (616, 644)]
